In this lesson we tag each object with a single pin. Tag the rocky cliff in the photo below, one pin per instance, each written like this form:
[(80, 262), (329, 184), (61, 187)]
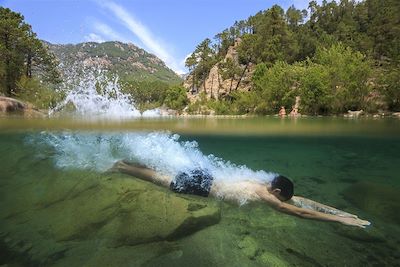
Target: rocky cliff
[(10, 105), (215, 86)]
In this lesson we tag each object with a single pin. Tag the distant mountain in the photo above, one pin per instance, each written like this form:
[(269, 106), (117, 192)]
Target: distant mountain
[(127, 60)]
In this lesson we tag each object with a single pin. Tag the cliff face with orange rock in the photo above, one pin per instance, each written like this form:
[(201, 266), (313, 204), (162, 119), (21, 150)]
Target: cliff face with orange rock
[(215, 86)]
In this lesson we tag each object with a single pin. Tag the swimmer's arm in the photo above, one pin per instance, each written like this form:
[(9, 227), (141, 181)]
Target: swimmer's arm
[(307, 213), (305, 203)]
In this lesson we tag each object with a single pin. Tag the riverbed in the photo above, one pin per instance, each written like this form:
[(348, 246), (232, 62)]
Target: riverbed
[(60, 206)]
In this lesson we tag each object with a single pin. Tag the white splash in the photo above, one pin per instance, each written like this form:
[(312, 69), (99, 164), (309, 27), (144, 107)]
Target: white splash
[(94, 95), (158, 150)]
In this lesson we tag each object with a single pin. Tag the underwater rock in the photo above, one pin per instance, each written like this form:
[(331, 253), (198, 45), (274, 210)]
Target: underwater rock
[(89, 254), (249, 247), (268, 259), (155, 214), (114, 208), (377, 199), (304, 257), (128, 212), (269, 219)]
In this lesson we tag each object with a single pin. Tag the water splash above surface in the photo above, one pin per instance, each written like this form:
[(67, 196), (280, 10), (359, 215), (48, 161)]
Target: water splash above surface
[(94, 95)]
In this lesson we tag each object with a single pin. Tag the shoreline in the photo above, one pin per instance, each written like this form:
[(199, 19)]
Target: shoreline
[(14, 107), (381, 115)]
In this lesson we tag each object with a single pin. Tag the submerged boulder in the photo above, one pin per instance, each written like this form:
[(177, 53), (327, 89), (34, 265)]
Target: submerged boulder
[(379, 200), (128, 211), (249, 247), (269, 259), (64, 215), (151, 214), (60, 215)]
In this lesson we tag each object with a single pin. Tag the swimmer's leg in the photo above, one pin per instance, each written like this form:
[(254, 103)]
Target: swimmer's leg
[(142, 172)]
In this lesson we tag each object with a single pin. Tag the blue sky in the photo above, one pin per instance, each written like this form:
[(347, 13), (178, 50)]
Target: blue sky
[(170, 29)]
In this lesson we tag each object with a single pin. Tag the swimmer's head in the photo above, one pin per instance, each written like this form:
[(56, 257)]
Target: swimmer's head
[(282, 188)]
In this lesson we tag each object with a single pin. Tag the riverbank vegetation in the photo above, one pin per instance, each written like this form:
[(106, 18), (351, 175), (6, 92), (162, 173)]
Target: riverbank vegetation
[(27, 70), (336, 56), (153, 94), (31, 72)]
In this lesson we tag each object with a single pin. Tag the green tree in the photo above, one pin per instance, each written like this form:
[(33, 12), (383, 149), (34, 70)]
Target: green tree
[(21, 52), (191, 63), (348, 75), (207, 60), (277, 85), (337, 43), (314, 90), (384, 21), (176, 98), (230, 69), (146, 94), (295, 17), (390, 82), (276, 41), (12, 33), (246, 52)]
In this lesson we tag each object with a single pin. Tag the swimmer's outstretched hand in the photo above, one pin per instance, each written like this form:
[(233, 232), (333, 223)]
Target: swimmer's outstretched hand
[(347, 215), (354, 222)]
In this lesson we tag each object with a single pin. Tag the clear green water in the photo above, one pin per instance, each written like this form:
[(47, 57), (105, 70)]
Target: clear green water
[(51, 216)]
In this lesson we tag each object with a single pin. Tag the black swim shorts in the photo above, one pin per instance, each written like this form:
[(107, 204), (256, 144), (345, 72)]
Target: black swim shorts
[(196, 182)]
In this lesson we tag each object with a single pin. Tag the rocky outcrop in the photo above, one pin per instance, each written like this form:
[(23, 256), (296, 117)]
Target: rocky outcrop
[(354, 114), (10, 105), (215, 86), (59, 215)]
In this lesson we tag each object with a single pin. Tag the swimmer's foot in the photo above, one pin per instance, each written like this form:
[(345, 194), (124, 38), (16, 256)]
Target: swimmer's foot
[(117, 167), (123, 165)]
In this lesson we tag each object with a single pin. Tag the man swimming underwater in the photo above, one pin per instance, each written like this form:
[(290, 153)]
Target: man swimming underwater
[(278, 193)]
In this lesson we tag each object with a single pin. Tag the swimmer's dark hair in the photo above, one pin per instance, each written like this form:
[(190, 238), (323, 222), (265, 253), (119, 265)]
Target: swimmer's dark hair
[(285, 185)]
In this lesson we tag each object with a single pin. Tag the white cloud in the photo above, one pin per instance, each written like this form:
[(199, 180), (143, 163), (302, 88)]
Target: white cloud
[(109, 33), (143, 33), (92, 37)]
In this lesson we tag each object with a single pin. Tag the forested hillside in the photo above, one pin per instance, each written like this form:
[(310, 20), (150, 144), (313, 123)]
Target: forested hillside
[(32, 70), (336, 56), (128, 61)]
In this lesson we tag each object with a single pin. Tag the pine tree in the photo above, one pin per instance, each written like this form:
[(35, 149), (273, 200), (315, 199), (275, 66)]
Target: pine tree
[(21, 52)]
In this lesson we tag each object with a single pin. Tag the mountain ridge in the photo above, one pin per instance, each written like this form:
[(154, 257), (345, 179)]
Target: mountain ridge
[(127, 60)]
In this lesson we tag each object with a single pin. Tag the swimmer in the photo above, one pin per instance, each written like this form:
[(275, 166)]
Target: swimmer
[(278, 193), (282, 112)]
